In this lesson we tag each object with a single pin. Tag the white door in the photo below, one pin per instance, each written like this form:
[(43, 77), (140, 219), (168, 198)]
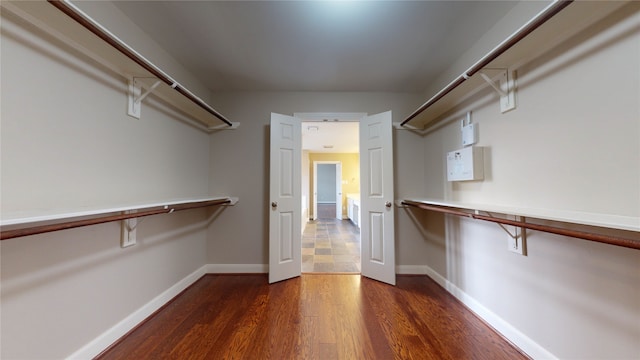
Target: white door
[(376, 200), (284, 198)]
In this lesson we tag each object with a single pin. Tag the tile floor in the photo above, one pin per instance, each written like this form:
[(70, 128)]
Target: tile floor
[(326, 211), (331, 245)]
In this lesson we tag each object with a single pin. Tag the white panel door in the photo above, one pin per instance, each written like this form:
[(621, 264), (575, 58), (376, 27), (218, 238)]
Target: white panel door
[(376, 200), (284, 198)]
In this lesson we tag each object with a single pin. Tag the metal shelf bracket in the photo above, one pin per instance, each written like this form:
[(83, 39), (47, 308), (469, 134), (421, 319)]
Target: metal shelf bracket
[(504, 83), (519, 231), (135, 96)]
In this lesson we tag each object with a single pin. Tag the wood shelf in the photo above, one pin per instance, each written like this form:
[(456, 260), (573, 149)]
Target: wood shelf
[(65, 22), (559, 25), (24, 226), (627, 223)]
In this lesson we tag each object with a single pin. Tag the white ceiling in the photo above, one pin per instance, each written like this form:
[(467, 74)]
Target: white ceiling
[(330, 137), (335, 45), (393, 46)]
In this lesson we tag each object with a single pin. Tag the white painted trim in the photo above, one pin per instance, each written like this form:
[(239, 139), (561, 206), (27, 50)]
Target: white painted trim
[(64, 216), (514, 335), (584, 218), (437, 278), (99, 344), (237, 268)]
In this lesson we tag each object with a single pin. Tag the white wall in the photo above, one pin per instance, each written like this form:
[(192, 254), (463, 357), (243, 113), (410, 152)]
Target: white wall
[(67, 144), (573, 144), (244, 171)]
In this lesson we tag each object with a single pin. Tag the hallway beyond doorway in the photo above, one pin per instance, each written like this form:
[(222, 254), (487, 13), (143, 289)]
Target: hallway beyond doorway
[(327, 211), (331, 246)]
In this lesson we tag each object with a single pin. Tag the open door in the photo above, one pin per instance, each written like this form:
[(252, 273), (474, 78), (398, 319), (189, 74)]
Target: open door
[(376, 200), (285, 193)]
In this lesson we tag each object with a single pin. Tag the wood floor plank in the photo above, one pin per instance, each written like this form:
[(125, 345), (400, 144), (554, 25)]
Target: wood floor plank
[(147, 336), (313, 317), (216, 318), (240, 340), (309, 346), (404, 340)]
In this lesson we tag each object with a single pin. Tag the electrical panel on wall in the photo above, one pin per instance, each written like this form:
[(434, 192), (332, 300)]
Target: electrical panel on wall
[(465, 164)]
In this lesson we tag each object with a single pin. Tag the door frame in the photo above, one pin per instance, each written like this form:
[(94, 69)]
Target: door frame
[(328, 116), (387, 275), (338, 193)]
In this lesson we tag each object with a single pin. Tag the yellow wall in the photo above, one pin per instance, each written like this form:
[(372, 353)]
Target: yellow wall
[(350, 175)]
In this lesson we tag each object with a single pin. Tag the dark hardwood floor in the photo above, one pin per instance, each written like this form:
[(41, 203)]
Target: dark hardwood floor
[(313, 317)]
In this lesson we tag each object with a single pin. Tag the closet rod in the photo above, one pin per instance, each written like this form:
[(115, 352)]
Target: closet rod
[(521, 33), (77, 15), (605, 239), (10, 234)]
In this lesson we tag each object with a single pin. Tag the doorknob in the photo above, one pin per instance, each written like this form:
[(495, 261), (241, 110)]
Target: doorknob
[(274, 204), (388, 204)]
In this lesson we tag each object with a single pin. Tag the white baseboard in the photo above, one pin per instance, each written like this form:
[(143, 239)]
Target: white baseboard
[(519, 339), (99, 344)]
